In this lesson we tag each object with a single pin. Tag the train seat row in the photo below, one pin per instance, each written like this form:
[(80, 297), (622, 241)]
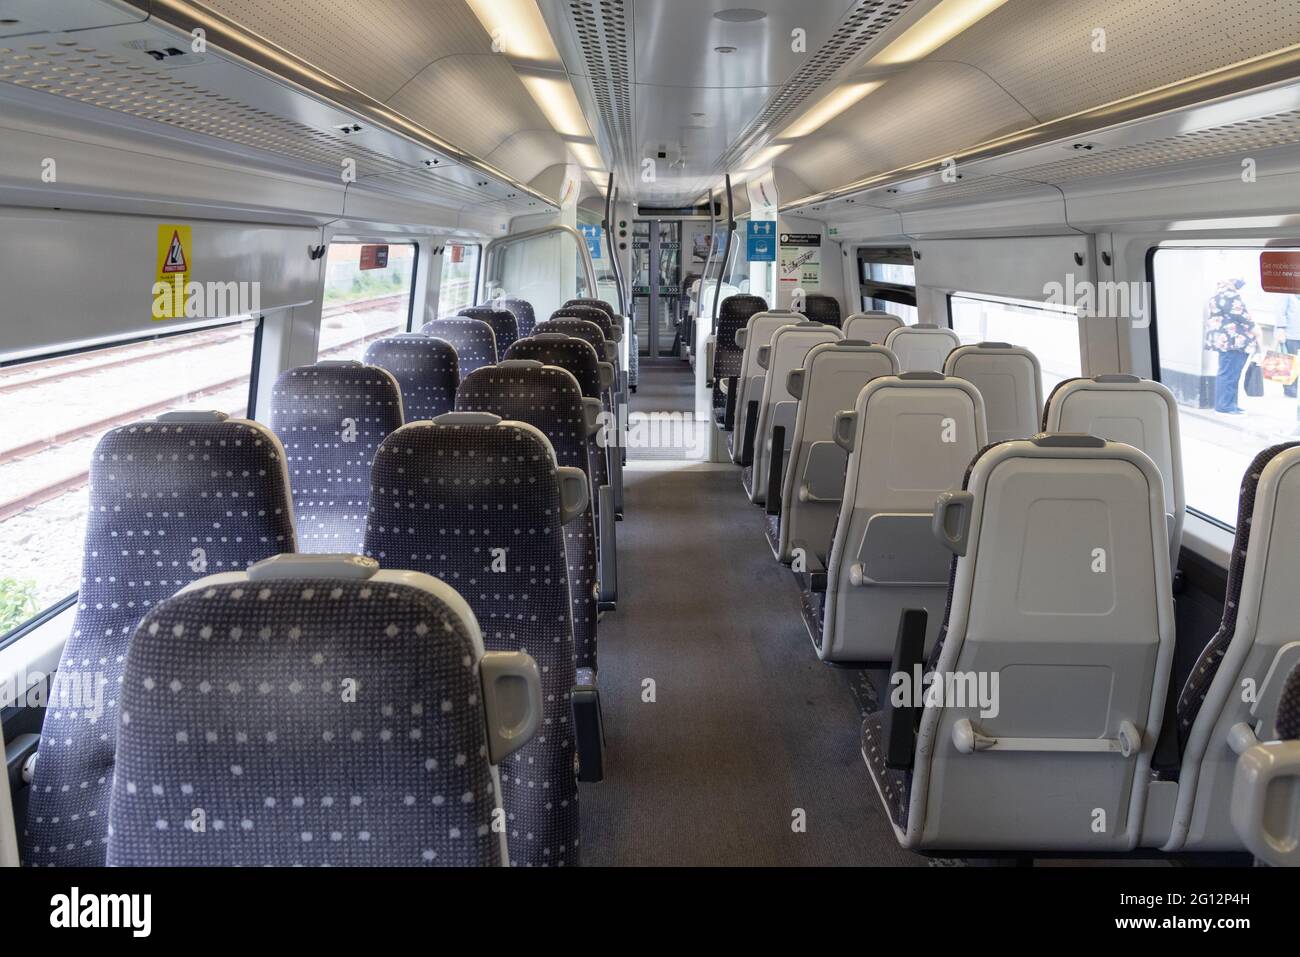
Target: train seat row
[(885, 489), (459, 654)]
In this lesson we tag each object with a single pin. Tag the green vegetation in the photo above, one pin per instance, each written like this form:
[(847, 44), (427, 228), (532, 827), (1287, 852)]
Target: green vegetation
[(370, 284), (17, 603)]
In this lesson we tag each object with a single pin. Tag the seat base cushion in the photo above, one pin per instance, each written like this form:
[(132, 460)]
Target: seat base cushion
[(813, 606), (772, 528)]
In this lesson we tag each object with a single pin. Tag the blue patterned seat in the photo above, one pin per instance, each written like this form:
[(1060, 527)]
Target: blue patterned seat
[(504, 325), (589, 310), (481, 504), (426, 369), (733, 315), (549, 397), (819, 307), (525, 319), (331, 418), (171, 501), (312, 711), (473, 339)]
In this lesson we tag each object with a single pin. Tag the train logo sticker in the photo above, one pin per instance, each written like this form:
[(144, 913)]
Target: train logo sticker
[(172, 273)]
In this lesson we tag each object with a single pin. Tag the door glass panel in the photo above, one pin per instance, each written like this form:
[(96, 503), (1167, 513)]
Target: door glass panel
[(544, 270)]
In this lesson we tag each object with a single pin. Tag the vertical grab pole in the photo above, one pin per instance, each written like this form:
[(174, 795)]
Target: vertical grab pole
[(609, 241), (726, 254)]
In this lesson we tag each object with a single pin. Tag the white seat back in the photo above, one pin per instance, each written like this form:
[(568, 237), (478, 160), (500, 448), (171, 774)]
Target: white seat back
[(1061, 595), (832, 376), (923, 347), (1138, 412), (786, 352), (873, 326), (1011, 382), (756, 334), (911, 438)]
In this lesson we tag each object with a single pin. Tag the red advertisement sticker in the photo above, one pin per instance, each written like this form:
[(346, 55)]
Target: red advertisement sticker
[(374, 257), (1279, 271)]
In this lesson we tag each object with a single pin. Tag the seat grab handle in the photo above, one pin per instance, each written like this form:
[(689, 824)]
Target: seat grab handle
[(951, 521)]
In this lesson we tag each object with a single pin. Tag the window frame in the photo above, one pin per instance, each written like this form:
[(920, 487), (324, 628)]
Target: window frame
[(474, 288), (50, 612), (869, 288), (1153, 332)]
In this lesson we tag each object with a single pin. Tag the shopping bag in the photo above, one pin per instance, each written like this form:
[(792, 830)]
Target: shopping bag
[(1254, 381), (1280, 367)]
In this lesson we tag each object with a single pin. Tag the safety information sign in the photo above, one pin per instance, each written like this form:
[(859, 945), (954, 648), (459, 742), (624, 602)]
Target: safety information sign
[(374, 257), (174, 262), (801, 260)]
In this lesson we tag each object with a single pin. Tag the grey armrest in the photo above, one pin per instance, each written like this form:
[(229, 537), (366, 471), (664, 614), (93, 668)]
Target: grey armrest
[(607, 550), (588, 727)]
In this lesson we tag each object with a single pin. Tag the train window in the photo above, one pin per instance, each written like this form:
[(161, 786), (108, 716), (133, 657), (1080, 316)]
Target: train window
[(887, 281), (45, 459), (368, 289), (459, 278), (1229, 352), (1050, 332)]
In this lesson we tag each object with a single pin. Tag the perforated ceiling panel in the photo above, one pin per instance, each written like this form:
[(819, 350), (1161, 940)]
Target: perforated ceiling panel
[(942, 108), (860, 27), (601, 27), (1048, 55), (1265, 132), (428, 59), (128, 81)]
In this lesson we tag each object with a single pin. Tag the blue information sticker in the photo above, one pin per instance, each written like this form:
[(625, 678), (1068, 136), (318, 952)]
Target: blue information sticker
[(592, 235), (760, 241)]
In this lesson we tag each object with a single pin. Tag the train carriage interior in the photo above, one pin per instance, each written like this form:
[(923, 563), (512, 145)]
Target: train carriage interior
[(650, 433)]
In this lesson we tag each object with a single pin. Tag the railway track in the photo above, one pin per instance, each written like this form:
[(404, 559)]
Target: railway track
[(58, 485)]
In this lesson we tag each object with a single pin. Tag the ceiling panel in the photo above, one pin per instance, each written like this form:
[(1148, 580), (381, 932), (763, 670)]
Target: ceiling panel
[(1041, 51), (375, 46), (428, 59), (940, 109)]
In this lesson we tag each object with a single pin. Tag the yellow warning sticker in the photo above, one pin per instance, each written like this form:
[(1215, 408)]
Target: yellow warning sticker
[(172, 277)]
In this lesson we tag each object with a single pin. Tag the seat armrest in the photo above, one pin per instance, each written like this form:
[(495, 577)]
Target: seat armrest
[(730, 386), (814, 572), (751, 430), (1265, 792), (588, 727), (903, 720), (606, 550), (775, 471)]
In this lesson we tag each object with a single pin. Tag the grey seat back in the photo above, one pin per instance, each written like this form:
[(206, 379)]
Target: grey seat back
[(911, 438), (505, 328), (1060, 593), (1139, 412), (473, 339), (1011, 382), (833, 375), (757, 333), (786, 352), (1255, 646), (315, 712), (171, 500), (873, 326), (480, 503), (425, 368), (522, 310), (331, 418), (923, 347), (549, 397)]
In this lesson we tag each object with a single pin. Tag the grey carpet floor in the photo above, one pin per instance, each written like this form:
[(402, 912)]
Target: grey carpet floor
[(747, 726), (664, 385)]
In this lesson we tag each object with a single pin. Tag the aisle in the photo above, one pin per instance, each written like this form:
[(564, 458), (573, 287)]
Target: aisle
[(747, 725)]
